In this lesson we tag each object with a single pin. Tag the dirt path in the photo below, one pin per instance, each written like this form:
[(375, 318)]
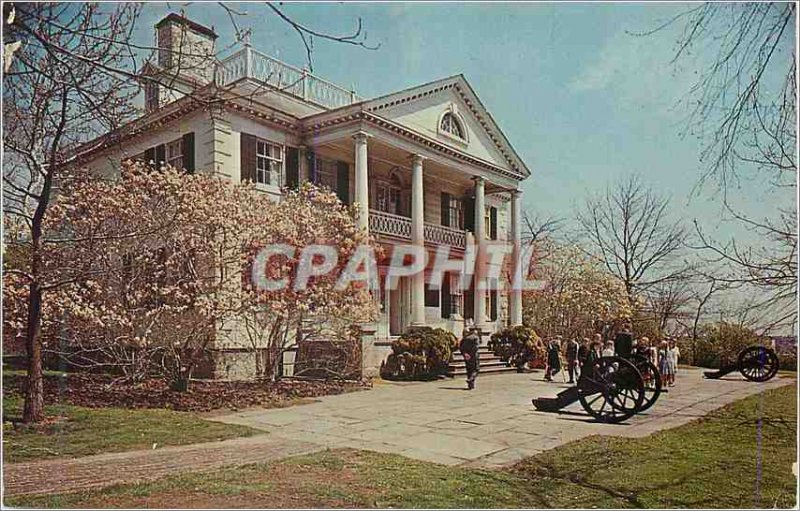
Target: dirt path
[(60, 476)]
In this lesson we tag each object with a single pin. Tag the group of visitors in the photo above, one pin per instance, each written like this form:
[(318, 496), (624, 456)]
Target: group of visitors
[(575, 355)]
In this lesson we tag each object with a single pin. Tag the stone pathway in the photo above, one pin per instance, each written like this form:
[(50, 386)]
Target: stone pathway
[(437, 421), (491, 426)]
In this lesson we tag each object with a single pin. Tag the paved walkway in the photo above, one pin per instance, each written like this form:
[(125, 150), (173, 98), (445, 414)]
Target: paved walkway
[(492, 426), (438, 421)]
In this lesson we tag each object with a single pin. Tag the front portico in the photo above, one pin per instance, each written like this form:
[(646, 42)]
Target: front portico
[(428, 188)]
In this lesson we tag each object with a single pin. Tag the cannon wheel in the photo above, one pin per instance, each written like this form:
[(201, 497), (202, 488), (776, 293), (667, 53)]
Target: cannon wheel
[(652, 380), (611, 390), (758, 363)]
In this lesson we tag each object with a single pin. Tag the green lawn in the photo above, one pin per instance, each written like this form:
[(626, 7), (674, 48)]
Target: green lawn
[(76, 431), (708, 463)]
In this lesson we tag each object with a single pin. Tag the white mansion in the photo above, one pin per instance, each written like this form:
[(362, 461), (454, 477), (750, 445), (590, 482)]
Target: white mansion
[(427, 165)]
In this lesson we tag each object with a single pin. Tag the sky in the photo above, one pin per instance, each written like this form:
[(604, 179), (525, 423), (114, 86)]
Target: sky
[(582, 98)]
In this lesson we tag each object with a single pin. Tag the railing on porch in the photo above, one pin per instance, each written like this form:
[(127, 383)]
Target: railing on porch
[(399, 227), (250, 63)]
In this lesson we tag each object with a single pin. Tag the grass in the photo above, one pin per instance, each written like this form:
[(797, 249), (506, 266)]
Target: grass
[(711, 462), (73, 431)]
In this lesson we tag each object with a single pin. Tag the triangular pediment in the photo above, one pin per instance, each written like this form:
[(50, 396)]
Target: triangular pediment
[(422, 109)]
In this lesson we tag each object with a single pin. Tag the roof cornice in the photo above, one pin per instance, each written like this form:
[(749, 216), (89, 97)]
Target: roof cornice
[(464, 91), (358, 114)]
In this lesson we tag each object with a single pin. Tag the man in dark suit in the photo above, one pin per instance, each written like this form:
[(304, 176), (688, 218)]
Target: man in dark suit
[(469, 350), (623, 343)]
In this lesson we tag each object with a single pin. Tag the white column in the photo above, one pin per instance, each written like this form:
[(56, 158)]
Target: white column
[(515, 236), (418, 239), (480, 239), (362, 183)]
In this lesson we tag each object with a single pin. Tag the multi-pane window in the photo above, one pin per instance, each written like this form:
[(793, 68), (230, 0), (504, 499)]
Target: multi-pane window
[(269, 163), (151, 96), (487, 223), (388, 198), (455, 210), (450, 124), (175, 153), (326, 173)]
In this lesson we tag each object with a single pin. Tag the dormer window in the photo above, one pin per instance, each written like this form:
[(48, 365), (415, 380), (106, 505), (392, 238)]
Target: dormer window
[(451, 125)]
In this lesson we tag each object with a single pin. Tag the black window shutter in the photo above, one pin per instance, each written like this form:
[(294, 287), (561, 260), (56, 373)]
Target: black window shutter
[(469, 303), (150, 156), (292, 168), (469, 214), (188, 152), (247, 157), (447, 304), (343, 181), (493, 305), (445, 209), (311, 165), (493, 222), (161, 155)]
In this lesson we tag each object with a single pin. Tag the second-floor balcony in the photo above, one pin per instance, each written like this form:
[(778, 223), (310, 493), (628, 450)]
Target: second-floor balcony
[(399, 228), (252, 64)]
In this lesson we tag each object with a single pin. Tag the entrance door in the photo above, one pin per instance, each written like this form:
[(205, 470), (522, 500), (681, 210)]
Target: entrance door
[(399, 306)]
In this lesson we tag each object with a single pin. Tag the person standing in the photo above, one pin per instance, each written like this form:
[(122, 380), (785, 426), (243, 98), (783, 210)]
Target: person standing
[(623, 342), (663, 365), (469, 350), (553, 359), (572, 357), (583, 352), (673, 353), (608, 351)]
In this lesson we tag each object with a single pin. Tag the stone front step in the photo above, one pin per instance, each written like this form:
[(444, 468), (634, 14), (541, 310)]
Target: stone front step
[(483, 370), (456, 364), (489, 363), (482, 355)]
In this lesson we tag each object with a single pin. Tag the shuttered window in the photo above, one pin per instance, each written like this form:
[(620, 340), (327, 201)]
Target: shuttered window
[(493, 223), (175, 153), (247, 157), (292, 168), (188, 152), (269, 163)]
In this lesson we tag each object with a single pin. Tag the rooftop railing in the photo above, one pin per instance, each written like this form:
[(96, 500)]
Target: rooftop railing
[(252, 64)]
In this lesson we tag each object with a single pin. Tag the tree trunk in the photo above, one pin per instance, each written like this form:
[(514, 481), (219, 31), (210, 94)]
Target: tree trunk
[(34, 395)]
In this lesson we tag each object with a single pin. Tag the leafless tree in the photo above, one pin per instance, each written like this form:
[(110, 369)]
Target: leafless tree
[(743, 108), (629, 227), (58, 92)]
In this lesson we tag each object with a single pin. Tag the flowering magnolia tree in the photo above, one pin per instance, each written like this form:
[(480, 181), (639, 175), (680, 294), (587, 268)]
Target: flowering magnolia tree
[(138, 267), (305, 296), (147, 272), (577, 296)]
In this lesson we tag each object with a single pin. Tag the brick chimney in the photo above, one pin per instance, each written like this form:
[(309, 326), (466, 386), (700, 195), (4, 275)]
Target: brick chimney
[(185, 46), (186, 52)]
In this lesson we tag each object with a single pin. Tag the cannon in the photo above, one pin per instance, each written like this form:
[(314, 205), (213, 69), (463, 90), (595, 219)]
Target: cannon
[(755, 363), (610, 389)]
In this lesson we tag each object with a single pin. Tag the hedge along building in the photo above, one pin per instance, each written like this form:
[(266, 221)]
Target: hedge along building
[(426, 165)]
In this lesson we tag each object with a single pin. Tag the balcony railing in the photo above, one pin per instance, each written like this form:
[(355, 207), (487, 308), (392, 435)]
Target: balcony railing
[(399, 227), (250, 63)]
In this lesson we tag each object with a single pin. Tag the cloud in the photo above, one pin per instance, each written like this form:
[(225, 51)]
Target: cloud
[(637, 71)]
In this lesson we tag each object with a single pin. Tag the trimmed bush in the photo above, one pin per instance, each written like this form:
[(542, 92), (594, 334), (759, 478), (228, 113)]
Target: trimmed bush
[(518, 346), (422, 353)]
